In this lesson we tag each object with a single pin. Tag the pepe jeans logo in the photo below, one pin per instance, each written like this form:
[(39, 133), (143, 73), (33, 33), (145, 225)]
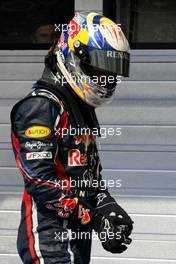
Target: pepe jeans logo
[(38, 132), (37, 145)]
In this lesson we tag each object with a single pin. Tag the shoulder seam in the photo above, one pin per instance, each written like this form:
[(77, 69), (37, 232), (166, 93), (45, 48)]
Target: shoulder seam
[(52, 97)]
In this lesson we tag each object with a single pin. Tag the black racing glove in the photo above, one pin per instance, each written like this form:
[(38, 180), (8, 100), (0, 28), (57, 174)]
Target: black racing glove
[(112, 223)]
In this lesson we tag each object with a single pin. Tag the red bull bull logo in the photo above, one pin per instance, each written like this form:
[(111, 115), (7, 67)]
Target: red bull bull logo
[(85, 139), (83, 215)]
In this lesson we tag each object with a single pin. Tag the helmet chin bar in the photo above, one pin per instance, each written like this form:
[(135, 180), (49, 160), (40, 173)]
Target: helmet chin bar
[(93, 94), (98, 91), (62, 67)]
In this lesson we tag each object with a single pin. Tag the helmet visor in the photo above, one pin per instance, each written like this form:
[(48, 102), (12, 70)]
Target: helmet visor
[(115, 62)]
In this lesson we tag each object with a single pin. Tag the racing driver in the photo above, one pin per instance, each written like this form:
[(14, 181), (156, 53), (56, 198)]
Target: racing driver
[(61, 169)]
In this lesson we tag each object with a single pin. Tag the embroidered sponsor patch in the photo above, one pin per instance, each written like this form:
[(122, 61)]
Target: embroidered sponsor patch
[(37, 132), (37, 145), (100, 197), (75, 158), (84, 215), (39, 155)]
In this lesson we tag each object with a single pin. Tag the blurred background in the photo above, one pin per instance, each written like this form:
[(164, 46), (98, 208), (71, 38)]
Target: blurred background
[(32, 22)]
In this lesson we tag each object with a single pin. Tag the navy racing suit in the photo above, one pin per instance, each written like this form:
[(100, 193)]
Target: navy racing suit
[(55, 163)]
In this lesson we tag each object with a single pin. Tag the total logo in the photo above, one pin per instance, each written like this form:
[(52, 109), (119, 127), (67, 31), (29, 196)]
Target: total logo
[(75, 158), (39, 155), (38, 132)]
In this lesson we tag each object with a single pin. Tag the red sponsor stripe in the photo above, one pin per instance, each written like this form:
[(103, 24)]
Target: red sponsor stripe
[(28, 203), (64, 122), (62, 175), (16, 145), (20, 167), (15, 142)]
